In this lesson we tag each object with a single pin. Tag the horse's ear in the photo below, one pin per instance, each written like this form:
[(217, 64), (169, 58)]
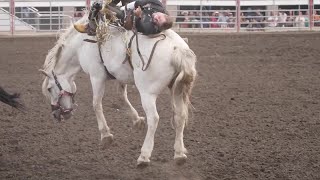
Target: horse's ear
[(44, 72)]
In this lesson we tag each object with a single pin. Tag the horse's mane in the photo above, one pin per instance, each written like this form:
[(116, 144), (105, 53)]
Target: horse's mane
[(53, 55)]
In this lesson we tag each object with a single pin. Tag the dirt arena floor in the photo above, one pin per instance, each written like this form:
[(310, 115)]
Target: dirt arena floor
[(256, 116)]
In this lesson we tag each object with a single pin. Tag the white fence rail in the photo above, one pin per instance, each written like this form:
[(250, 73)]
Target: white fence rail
[(29, 16)]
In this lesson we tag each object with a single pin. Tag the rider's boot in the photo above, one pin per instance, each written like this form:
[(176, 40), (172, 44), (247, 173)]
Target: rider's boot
[(90, 28)]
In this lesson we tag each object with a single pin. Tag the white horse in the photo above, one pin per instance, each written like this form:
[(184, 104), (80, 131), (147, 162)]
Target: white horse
[(172, 66)]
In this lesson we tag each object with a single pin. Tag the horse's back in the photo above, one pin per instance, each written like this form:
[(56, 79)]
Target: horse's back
[(176, 39)]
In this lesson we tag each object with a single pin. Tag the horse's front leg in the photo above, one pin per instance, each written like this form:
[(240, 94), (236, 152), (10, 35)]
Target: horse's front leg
[(98, 88), (138, 121)]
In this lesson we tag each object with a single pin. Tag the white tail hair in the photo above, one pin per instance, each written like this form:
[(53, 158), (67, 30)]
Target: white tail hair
[(183, 60)]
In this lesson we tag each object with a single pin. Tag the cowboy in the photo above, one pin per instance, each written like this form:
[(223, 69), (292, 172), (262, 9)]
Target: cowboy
[(90, 28), (150, 17)]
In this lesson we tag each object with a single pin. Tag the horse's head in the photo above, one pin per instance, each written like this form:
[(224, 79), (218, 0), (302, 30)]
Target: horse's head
[(60, 91)]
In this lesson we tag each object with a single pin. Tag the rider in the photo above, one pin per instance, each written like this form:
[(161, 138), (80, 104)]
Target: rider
[(151, 16)]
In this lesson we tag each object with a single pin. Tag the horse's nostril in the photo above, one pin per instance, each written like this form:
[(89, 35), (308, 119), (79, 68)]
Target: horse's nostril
[(67, 114), (67, 111), (57, 114)]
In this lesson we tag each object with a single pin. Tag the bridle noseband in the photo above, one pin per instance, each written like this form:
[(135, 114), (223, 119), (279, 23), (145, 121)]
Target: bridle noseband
[(62, 93)]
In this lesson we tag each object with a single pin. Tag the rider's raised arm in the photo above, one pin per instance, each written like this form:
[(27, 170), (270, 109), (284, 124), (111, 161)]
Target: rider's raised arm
[(123, 2)]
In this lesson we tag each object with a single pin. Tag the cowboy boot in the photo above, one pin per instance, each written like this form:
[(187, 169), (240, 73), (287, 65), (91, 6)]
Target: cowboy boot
[(90, 28), (82, 28)]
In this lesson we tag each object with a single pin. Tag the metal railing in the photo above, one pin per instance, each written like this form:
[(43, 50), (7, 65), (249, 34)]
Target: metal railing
[(189, 16), (241, 16), (261, 20), (43, 16)]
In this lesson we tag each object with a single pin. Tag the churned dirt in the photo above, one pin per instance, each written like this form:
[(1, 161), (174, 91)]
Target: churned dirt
[(256, 116)]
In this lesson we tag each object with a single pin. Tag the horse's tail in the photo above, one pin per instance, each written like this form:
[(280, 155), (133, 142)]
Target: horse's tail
[(183, 60), (10, 99)]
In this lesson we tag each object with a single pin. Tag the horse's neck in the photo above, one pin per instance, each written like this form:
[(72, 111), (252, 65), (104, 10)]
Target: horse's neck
[(68, 63), (68, 69)]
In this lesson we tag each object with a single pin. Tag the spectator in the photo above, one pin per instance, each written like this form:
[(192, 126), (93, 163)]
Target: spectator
[(282, 19), (185, 15), (250, 14), (231, 20), (290, 19), (300, 20), (316, 18), (195, 20), (259, 20), (272, 20), (306, 23), (243, 21), (223, 19), (206, 20), (214, 19)]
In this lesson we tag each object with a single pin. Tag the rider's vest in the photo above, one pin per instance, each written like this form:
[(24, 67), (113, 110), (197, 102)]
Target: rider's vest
[(145, 24)]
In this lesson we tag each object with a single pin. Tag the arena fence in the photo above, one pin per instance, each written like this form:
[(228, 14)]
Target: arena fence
[(34, 16)]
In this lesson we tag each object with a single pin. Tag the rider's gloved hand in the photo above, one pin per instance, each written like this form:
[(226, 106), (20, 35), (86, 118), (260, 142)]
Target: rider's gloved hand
[(96, 6)]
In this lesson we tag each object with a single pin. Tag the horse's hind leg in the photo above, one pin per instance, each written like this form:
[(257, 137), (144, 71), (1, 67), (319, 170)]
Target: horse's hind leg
[(149, 106), (180, 116), (138, 121), (98, 88)]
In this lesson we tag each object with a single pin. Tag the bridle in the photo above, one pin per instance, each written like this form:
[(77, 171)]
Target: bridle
[(62, 93)]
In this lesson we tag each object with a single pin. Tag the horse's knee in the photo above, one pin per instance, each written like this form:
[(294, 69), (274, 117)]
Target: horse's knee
[(97, 106), (153, 121)]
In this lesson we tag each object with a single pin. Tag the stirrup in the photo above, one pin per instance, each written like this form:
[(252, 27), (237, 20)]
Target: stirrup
[(80, 28)]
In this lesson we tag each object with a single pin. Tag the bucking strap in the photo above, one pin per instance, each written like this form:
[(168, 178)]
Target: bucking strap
[(151, 54), (129, 52)]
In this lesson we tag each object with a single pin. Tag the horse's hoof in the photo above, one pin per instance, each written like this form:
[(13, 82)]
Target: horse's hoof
[(180, 160), (106, 141), (140, 123), (143, 162)]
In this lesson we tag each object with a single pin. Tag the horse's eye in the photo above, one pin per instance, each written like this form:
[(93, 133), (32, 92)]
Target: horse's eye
[(49, 89)]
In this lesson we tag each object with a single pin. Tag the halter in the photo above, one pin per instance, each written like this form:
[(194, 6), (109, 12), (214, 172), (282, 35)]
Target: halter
[(61, 93)]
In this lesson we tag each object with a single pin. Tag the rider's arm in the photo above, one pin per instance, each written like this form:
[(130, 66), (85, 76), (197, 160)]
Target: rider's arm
[(114, 3), (138, 12), (154, 4), (144, 2)]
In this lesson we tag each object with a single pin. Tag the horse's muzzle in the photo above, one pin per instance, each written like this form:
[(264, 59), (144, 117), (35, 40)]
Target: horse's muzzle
[(60, 113)]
